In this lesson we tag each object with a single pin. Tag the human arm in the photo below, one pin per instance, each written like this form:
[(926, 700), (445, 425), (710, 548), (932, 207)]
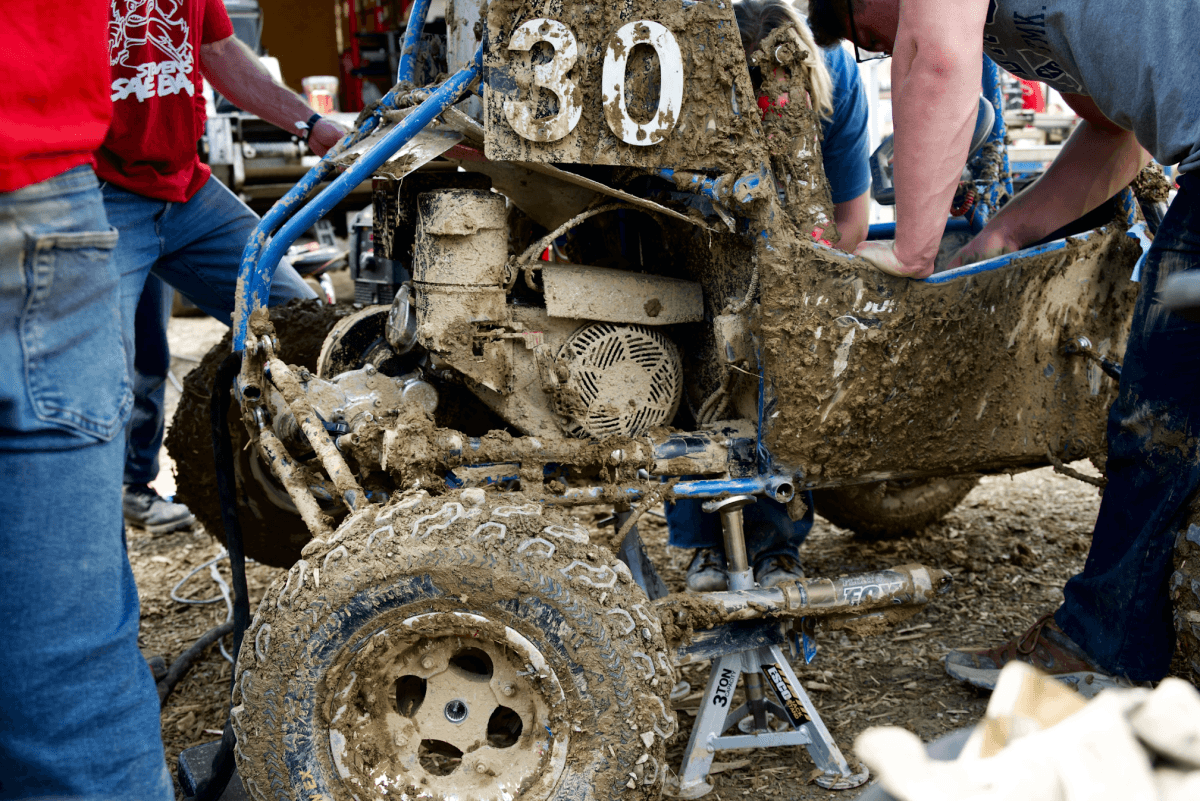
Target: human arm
[(233, 69), (846, 148), (852, 219), (1097, 160), (937, 63)]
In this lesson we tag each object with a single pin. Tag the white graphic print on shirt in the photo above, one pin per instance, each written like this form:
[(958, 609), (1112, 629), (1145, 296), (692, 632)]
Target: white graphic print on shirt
[(161, 25)]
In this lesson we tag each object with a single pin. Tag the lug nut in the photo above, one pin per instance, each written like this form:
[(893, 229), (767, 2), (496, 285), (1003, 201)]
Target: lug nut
[(508, 690), (427, 663), (480, 767)]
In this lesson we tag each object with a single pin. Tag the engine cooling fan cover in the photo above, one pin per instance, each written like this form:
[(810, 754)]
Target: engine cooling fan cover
[(624, 380)]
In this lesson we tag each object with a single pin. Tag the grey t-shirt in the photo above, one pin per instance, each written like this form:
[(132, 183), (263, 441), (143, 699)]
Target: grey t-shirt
[(1139, 62)]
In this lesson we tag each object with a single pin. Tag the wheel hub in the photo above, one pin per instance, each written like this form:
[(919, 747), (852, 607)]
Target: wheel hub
[(446, 705)]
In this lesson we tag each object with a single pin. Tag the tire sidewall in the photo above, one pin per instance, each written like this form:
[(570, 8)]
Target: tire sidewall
[(562, 620), (895, 511)]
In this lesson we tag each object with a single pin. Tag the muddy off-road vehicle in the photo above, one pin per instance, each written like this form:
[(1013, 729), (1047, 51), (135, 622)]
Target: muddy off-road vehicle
[(601, 283)]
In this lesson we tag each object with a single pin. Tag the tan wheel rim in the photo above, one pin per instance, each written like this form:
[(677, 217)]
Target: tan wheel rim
[(446, 705)]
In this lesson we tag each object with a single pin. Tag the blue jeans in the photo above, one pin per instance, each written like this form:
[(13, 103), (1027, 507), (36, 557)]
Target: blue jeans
[(1117, 609), (79, 711), (151, 362), (768, 529), (195, 247)]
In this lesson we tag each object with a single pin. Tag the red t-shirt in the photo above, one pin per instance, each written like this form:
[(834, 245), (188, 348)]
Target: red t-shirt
[(54, 106), (158, 95)]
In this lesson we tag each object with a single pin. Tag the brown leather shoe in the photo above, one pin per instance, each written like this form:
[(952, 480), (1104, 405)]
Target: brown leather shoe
[(1047, 648)]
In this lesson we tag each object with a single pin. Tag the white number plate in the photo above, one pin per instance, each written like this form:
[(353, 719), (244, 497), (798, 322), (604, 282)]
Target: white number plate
[(643, 82)]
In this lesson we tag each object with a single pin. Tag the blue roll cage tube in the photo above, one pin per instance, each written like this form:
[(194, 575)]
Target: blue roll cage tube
[(989, 197), (260, 258), (412, 40)]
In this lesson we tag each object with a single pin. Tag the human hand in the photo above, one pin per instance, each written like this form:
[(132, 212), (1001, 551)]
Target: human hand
[(881, 254), (987, 244), (325, 134)]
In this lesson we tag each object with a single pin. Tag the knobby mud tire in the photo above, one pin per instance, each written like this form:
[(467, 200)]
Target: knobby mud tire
[(324, 701), (272, 535), (1185, 595), (891, 509)]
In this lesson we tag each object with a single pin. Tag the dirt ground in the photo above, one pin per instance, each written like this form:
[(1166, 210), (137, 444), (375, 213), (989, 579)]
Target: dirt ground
[(1010, 545)]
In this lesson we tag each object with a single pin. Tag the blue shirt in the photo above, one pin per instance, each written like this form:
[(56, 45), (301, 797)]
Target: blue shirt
[(846, 149)]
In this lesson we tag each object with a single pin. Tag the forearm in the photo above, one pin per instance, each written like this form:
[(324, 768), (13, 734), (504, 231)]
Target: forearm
[(852, 219), (934, 102), (237, 74), (1093, 165)]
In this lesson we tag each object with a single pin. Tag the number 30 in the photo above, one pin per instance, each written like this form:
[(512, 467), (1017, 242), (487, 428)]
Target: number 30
[(552, 76)]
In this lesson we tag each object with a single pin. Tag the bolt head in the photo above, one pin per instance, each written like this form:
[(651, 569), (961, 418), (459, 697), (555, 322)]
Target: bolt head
[(480, 767), (456, 711), (508, 690), (427, 663)]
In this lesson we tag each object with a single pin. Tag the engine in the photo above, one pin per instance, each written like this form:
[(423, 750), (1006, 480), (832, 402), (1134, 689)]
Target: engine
[(592, 362)]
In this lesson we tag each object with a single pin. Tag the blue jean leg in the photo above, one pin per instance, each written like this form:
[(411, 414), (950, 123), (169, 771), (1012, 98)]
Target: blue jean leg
[(195, 247), (151, 362), (79, 711), (1117, 609), (768, 529)]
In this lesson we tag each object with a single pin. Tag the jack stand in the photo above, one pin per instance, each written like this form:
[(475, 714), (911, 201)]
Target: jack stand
[(746, 655)]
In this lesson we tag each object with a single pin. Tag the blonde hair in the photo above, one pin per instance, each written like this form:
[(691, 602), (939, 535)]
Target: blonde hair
[(757, 19)]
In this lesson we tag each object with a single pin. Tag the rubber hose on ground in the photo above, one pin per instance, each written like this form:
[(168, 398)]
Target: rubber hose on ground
[(180, 667)]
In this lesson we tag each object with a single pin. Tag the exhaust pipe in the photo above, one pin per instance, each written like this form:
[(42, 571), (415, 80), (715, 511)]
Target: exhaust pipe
[(866, 602)]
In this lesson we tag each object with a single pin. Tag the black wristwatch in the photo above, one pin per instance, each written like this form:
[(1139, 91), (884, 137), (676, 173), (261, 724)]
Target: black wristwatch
[(308, 126)]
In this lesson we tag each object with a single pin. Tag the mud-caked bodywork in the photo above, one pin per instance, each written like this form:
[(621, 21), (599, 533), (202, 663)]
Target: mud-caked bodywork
[(879, 379)]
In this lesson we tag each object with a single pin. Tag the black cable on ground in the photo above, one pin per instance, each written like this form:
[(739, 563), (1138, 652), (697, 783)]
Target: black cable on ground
[(222, 764), (180, 667)]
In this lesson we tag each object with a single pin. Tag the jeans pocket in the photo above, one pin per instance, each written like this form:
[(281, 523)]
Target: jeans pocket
[(70, 328)]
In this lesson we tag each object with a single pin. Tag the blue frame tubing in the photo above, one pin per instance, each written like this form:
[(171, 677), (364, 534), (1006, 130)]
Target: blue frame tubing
[(989, 197), (412, 40), (1129, 205), (251, 280), (780, 488), (258, 262)]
